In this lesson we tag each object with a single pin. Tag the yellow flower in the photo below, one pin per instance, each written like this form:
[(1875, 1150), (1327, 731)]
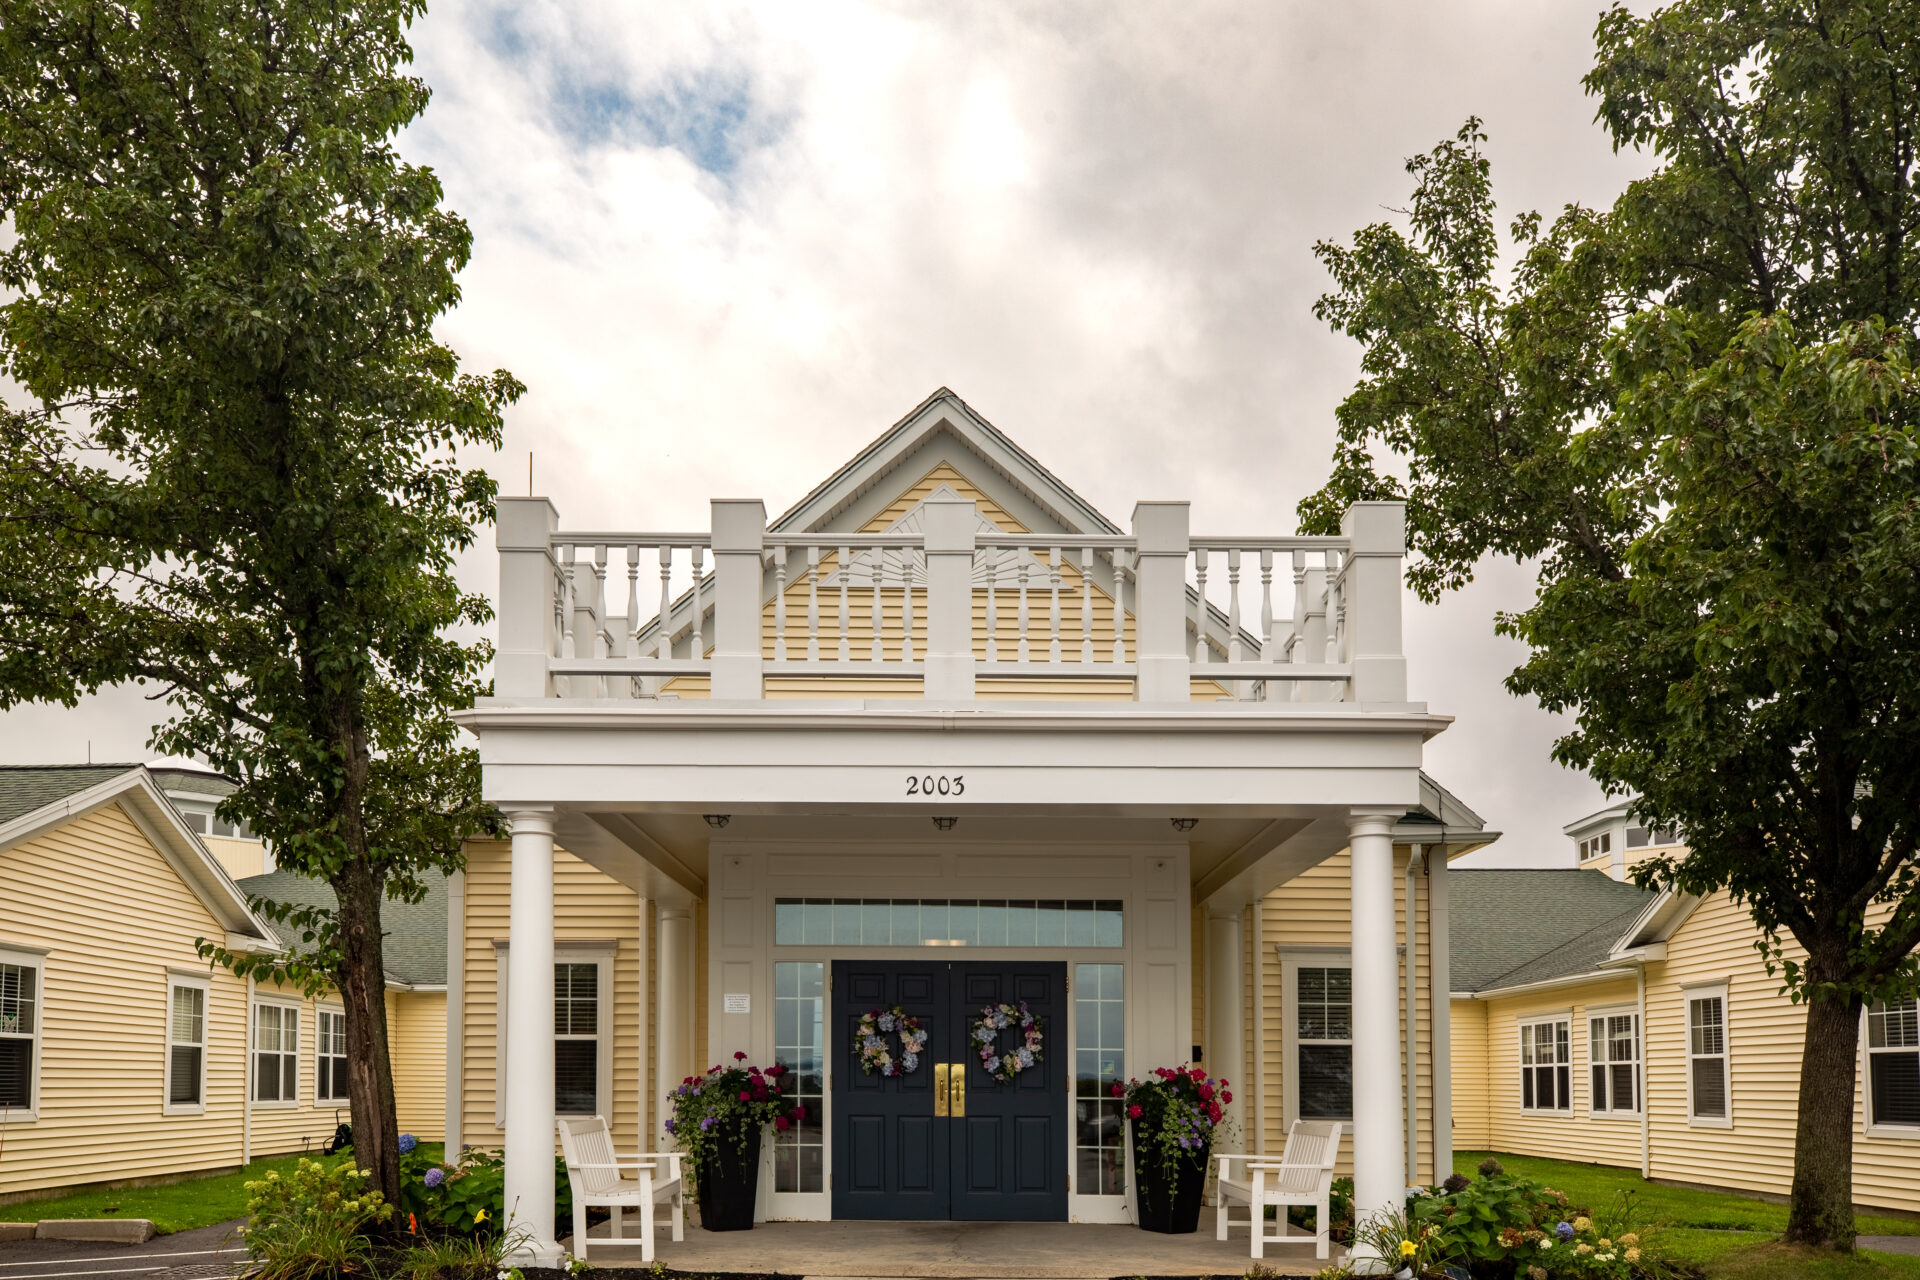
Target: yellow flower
[(1584, 1248), (1606, 1244), (1583, 1224), (1630, 1239), (479, 1217), (1408, 1248), (1633, 1255)]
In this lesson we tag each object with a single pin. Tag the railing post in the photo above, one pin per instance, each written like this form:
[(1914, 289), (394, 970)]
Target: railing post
[(739, 539), (589, 618), (522, 532), (1379, 536), (949, 531), (1160, 531)]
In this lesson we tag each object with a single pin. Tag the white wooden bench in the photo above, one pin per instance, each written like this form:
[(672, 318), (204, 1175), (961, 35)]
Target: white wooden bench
[(1303, 1175), (602, 1180)]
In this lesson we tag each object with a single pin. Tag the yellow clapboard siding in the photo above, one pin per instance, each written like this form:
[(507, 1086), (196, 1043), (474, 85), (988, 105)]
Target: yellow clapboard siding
[(923, 488), (588, 906), (417, 1045), (1471, 1123), (1573, 1134)]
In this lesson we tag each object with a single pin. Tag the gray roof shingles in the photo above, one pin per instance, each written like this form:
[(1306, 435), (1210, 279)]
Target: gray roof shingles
[(1512, 926), (25, 788), (416, 944)]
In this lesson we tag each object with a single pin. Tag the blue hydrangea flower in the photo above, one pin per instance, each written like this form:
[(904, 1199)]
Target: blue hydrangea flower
[(992, 1064), (1564, 1231), (407, 1143), (435, 1176)]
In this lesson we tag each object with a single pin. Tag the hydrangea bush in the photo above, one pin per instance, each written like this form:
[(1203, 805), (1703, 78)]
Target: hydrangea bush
[(1179, 1112), (728, 1105)]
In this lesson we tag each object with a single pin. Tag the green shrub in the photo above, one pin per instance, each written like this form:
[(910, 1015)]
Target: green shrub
[(468, 1195), (312, 1224), (451, 1257)]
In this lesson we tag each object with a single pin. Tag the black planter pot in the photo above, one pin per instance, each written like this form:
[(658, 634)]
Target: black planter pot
[(1169, 1204), (730, 1183)]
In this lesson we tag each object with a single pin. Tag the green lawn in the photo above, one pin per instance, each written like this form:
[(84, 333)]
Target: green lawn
[(1730, 1236), (176, 1206)]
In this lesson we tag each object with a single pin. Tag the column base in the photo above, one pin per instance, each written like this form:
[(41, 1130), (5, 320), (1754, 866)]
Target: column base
[(536, 1253)]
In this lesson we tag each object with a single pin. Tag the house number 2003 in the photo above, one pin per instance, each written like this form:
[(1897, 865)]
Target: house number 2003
[(936, 784)]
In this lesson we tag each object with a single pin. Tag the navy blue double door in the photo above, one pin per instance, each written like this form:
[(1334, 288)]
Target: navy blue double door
[(899, 1149)]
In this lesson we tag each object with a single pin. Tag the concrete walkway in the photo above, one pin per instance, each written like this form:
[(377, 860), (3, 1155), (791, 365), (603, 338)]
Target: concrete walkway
[(975, 1250), (1909, 1245), (201, 1254)]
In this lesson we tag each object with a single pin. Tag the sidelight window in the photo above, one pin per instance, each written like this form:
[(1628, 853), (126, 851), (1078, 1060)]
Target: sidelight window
[(1100, 1020), (799, 1012)]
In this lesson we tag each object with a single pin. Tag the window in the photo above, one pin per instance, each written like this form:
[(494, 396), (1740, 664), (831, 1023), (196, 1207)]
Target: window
[(799, 1044), (1323, 1042), (576, 1038), (1596, 846), (1707, 1057), (1546, 1065), (1100, 1040), (276, 1053), (923, 922), (1893, 1063), (1614, 1059), (330, 1057), (186, 1044), (19, 1033)]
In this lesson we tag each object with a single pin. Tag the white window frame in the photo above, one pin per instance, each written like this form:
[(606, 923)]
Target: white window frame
[(292, 1100), (1638, 1062), (1562, 1018), (1873, 1129), (599, 953), (1291, 962), (1688, 995), (35, 959), (191, 982), (321, 1012)]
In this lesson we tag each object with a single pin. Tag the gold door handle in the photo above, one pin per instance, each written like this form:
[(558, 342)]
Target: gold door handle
[(940, 1088), (957, 1090)]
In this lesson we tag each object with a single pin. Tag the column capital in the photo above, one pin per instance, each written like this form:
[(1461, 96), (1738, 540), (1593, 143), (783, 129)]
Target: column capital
[(1373, 821), (530, 820), (675, 913)]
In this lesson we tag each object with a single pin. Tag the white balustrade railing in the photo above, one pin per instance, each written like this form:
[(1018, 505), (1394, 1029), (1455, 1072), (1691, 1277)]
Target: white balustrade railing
[(1171, 615)]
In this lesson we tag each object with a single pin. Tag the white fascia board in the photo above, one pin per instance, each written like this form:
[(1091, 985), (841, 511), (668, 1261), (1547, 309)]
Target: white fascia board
[(1600, 817), (1657, 922), (1546, 984)]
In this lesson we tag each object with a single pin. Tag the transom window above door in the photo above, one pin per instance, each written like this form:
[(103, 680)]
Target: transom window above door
[(947, 922)]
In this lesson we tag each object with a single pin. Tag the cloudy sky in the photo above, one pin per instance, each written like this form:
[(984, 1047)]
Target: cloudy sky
[(727, 246)]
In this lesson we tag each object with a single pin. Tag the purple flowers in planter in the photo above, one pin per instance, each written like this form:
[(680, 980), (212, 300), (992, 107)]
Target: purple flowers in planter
[(436, 1176)]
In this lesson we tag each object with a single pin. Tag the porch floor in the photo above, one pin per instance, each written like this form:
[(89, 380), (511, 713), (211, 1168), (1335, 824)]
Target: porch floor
[(970, 1250)]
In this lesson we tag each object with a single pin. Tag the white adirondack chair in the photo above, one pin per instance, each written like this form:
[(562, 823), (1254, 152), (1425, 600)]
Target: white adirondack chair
[(600, 1179), (1302, 1175)]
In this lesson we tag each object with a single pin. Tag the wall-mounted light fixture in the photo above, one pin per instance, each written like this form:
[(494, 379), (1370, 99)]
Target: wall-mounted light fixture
[(717, 820), (1184, 824), (945, 824)]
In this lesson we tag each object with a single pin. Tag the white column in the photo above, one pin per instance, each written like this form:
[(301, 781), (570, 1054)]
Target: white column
[(530, 1135), (676, 1003), (1379, 1156), (1160, 532), (1226, 1019)]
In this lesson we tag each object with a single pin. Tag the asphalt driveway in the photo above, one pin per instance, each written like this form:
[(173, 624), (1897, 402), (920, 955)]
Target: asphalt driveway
[(205, 1253)]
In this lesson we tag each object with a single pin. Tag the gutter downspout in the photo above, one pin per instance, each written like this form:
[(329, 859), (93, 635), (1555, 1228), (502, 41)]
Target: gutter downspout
[(1640, 994), (246, 1084), (1414, 861)]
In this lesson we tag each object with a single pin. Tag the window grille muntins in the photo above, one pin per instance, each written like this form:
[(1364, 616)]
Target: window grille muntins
[(1100, 1019), (799, 1044), (330, 1060), (1707, 1057), (19, 1034), (576, 1032), (1546, 1065), (186, 1044), (1893, 1063), (1323, 1041), (948, 922), (1614, 1061), (276, 1053)]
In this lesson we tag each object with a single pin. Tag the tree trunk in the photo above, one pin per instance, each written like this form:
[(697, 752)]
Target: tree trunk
[(1821, 1212), (363, 990)]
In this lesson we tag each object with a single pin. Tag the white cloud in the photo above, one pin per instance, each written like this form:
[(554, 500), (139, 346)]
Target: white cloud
[(727, 245)]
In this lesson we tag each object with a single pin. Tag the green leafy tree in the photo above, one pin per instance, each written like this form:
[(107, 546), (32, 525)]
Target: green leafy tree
[(233, 475), (1695, 413)]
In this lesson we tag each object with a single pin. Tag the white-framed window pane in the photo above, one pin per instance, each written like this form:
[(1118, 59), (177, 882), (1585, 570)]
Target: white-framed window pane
[(19, 985), (1323, 1038), (799, 1045), (1546, 1070), (276, 1058), (1893, 1062), (576, 1045), (1099, 1015), (186, 1044), (330, 1057), (1707, 1048)]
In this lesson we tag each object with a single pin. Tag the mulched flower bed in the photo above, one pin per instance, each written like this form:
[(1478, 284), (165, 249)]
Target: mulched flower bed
[(601, 1272)]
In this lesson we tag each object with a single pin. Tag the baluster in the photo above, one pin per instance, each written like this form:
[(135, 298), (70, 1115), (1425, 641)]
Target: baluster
[(1234, 651), (1053, 610), (630, 642), (906, 604), (874, 569), (813, 604), (1086, 604), (569, 628), (993, 620), (1200, 606), (846, 571), (1336, 609), (698, 649), (664, 641), (1025, 556), (1266, 605), (1298, 638), (780, 603), (1119, 611)]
